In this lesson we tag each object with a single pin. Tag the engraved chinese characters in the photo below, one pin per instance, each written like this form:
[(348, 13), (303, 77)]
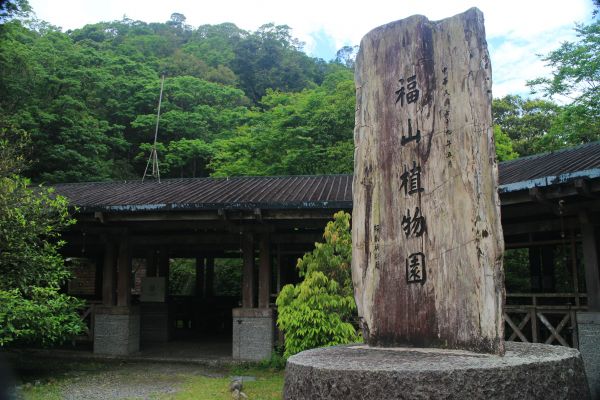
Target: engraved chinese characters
[(413, 226), (427, 240)]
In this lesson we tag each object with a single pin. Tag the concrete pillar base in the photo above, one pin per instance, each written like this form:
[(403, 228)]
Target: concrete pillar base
[(154, 323), (588, 326), (253, 333), (117, 330)]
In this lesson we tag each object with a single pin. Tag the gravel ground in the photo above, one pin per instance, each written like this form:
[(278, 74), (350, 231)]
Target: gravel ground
[(121, 380)]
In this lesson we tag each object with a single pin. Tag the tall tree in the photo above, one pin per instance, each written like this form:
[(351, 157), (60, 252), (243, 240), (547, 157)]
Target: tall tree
[(526, 122), (32, 309), (575, 77)]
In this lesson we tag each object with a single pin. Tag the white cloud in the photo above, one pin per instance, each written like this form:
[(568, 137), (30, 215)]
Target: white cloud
[(525, 27)]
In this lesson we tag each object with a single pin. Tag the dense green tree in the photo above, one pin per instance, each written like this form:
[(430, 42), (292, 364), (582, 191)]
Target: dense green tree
[(310, 132), (525, 121), (319, 311), (575, 77), (32, 309), (88, 96), (504, 146), (13, 9)]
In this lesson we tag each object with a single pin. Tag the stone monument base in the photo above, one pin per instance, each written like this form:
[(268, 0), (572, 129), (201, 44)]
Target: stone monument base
[(117, 330), (588, 324), (253, 334), (527, 371)]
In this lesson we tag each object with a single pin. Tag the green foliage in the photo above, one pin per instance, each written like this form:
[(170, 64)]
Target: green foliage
[(228, 277), (182, 277), (88, 98), (14, 9), (575, 76), (319, 310), (504, 146), (310, 132), (275, 363), (516, 270), (527, 123), (31, 270)]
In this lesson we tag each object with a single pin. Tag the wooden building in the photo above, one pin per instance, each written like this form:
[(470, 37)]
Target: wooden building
[(550, 216)]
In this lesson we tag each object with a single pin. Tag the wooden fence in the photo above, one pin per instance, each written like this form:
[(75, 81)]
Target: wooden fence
[(543, 317)]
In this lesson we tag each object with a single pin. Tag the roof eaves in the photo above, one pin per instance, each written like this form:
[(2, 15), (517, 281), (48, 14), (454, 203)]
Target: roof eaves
[(549, 180)]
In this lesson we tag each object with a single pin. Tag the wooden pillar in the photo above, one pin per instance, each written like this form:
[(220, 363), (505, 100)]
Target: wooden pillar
[(280, 271), (210, 276), (248, 273), (151, 263), (163, 266), (264, 273), (590, 261), (98, 282), (124, 273), (199, 277), (109, 274)]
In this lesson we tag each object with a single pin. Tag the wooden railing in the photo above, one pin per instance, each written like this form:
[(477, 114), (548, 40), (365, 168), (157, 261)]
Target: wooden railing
[(87, 315), (543, 317)]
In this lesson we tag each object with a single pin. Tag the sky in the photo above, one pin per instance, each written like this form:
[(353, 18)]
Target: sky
[(518, 31)]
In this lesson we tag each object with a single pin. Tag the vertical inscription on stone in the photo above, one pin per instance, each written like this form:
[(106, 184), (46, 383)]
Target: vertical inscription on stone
[(427, 240)]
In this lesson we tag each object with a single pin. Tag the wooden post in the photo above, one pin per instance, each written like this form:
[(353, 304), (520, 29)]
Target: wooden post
[(163, 266), (248, 273), (427, 240), (124, 272), (98, 282), (590, 262), (264, 273), (210, 276), (199, 277), (151, 263), (109, 274), (280, 281)]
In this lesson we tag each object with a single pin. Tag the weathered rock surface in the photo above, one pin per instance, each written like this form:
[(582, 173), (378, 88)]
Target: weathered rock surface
[(427, 239), (527, 371)]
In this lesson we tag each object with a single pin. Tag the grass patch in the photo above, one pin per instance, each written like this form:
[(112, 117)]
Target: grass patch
[(267, 386), (51, 379)]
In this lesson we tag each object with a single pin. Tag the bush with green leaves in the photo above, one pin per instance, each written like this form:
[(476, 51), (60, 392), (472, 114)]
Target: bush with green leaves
[(319, 311), (32, 309)]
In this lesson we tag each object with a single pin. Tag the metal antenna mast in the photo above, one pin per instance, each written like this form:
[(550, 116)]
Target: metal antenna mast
[(153, 154)]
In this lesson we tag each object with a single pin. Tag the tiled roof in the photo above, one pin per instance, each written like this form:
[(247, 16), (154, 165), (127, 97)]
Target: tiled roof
[(550, 168), (326, 191)]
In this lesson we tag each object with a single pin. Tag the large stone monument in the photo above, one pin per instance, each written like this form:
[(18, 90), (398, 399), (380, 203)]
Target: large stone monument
[(426, 233), (427, 239)]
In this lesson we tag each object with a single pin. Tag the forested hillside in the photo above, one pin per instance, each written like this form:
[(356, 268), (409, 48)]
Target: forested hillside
[(235, 102)]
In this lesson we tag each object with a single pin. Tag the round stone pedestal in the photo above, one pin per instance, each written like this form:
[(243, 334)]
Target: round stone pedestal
[(527, 371)]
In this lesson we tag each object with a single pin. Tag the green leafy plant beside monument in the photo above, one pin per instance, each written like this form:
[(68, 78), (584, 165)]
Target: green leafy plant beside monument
[(319, 311), (32, 309)]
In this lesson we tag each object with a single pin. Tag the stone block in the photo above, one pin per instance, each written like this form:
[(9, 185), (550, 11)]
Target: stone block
[(588, 326), (117, 330), (253, 334)]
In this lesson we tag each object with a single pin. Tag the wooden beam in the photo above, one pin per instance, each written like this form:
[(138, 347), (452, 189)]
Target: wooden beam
[(264, 273), (109, 274), (248, 273), (124, 272), (213, 215), (547, 225), (210, 276), (590, 262)]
